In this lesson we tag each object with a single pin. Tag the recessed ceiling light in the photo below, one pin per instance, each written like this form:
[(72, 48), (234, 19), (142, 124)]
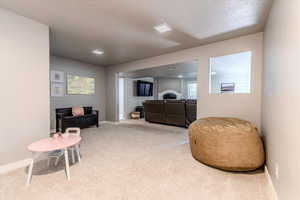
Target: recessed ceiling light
[(162, 28), (180, 76), (97, 52)]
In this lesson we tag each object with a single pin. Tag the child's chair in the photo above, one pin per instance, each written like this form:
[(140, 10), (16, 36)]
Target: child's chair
[(59, 153)]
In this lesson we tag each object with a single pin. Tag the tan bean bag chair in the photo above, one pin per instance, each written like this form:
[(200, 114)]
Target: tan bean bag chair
[(226, 143)]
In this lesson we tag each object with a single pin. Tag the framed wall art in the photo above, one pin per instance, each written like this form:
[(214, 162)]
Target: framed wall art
[(57, 76)]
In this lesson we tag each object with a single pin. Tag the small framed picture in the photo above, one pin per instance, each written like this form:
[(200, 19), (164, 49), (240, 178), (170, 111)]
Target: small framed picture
[(57, 76), (57, 89)]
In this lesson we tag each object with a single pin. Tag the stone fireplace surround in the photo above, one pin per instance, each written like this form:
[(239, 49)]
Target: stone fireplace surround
[(162, 94)]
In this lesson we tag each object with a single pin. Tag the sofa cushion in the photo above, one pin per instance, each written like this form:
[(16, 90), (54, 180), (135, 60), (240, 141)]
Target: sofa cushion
[(88, 110), (175, 112), (64, 111), (191, 111), (154, 106)]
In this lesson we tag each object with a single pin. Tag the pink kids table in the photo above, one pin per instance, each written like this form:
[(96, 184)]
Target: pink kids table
[(52, 144)]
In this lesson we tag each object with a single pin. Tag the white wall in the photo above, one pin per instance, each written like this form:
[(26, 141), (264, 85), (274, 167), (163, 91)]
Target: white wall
[(174, 84), (131, 100), (179, 85), (24, 69), (245, 106), (73, 67), (281, 97), (187, 81)]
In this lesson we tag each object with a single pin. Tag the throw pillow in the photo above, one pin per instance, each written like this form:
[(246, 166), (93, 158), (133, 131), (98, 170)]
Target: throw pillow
[(77, 111)]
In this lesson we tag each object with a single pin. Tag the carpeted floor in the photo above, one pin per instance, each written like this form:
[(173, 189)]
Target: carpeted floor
[(132, 161)]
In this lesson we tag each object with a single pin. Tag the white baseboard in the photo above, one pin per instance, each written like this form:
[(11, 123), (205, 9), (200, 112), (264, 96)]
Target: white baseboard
[(100, 122), (14, 166), (108, 122), (274, 193)]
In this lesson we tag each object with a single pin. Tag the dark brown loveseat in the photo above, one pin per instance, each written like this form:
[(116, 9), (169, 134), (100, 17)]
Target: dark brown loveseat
[(173, 112)]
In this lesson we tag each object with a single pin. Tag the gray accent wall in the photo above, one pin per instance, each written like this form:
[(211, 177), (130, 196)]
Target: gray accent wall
[(24, 69), (281, 97), (73, 67)]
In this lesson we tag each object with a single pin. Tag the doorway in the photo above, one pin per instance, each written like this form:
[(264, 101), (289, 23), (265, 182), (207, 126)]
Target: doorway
[(174, 84), (121, 95)]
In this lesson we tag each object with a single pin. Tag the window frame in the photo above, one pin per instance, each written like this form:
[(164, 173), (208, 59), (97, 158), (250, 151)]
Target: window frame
[(188, 91), (249, 73)]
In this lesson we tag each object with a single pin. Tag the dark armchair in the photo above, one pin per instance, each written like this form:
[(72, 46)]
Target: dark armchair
[(65, 118)]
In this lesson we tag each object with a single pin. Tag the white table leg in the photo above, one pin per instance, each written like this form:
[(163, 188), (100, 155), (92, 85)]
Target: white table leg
[(56, 161), (48, 162), (29, 175), (77, 151), (67, 164), (73, 156)]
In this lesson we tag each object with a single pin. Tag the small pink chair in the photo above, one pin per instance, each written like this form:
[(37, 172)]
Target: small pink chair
[(74, 131)]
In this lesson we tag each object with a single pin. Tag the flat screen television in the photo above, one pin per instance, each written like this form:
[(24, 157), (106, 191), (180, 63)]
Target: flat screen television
[(144, 88)]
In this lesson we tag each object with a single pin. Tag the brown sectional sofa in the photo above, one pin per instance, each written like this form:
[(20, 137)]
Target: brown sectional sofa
[(172, 112), (191, 111)]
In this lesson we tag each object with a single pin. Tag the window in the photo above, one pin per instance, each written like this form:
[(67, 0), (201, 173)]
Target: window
[(192, 90), (230, 73), (81, 85)]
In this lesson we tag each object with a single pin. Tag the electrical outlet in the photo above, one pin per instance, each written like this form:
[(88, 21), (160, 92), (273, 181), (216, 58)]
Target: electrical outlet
[(277, 171)]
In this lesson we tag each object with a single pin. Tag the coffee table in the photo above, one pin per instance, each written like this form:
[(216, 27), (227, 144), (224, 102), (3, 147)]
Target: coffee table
[(52, 144)]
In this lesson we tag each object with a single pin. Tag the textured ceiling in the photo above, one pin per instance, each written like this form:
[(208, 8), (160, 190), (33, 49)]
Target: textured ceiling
[(123, 29), (186, 69)]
